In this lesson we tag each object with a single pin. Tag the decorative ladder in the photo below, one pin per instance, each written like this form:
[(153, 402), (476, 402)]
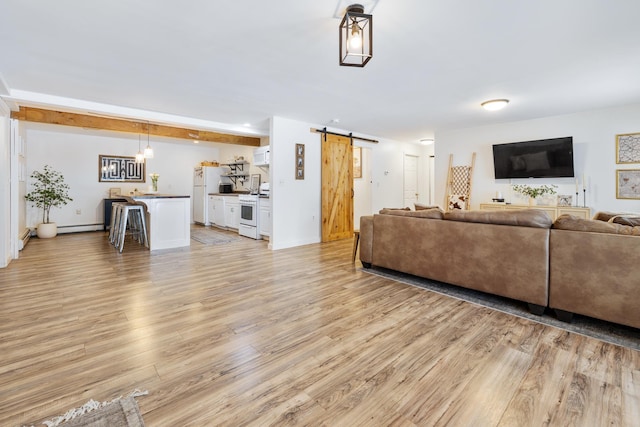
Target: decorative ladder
[(458, 192)]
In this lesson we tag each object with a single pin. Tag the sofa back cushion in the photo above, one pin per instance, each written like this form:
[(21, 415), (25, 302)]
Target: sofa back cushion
[(572, 223), (422, 206), (618, 218), (522, 217), (435, 213)]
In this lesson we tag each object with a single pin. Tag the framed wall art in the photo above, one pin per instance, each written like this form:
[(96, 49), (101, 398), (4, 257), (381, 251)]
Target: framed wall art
[(565, 200), (120, 169), (299, 161), (628, 183), (357, 162), (628, 148)]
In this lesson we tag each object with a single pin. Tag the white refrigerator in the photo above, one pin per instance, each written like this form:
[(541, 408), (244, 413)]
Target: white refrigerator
[(205, 180)]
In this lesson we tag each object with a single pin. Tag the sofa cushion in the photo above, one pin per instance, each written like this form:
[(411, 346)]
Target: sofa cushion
[(522, 217), (394, 209), (422, 206), (425, 213), (573, 223), (619, 218)]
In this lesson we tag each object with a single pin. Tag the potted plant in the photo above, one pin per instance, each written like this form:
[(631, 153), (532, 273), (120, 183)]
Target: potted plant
[(534, 192), (49, 190)]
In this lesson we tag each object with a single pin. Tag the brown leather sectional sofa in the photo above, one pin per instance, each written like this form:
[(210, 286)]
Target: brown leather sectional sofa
[(570, 267)]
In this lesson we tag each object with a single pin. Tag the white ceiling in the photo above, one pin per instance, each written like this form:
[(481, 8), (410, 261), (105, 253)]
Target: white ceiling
[(231, 62)]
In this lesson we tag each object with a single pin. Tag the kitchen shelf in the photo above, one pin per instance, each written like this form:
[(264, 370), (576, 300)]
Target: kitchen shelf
[(237, 171)]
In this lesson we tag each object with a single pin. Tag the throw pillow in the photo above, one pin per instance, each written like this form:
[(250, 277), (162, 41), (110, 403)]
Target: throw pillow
[(572, 223), (457, 201)]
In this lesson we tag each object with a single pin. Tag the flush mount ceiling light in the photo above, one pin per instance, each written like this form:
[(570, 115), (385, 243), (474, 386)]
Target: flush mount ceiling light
[(495, 104), (356, 37)]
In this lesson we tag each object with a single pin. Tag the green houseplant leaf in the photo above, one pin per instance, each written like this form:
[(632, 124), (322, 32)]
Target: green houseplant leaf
[(49, 190), (534, 192)]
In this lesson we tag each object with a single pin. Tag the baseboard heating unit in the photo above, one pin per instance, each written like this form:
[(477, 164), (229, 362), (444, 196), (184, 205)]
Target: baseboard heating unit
[(24, 239)]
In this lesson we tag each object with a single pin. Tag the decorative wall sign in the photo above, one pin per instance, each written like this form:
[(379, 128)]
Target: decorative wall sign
[(299, 161), (628, 183), (120, 169), (357, 162), (628, 148)]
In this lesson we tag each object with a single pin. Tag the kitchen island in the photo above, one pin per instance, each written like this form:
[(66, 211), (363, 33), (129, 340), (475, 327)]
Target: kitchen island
[(168, 219)]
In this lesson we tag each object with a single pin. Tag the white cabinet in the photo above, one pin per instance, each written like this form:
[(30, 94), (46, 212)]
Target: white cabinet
[(216, 211), (231, 212), (264, 218)]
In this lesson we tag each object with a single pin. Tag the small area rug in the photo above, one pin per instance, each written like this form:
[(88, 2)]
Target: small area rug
[(211, 236), (120, 412), (605, 331)]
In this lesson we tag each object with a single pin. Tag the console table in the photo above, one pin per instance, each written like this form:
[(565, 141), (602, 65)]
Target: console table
[(553, 211)]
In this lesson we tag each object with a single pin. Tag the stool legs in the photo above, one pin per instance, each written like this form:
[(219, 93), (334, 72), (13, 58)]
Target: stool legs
[(129, 217)]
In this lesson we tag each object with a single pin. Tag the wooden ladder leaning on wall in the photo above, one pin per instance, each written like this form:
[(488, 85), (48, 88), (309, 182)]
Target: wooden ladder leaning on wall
[(457, 195)]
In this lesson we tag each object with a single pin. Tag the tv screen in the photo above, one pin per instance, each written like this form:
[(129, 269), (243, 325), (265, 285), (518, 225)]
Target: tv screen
[(544, 158)]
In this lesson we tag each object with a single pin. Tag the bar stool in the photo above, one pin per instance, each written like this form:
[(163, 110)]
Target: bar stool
[(116, 210), (130, 217)]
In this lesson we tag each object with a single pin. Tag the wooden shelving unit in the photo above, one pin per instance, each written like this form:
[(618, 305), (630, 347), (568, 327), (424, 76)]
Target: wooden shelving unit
[(237, 171)]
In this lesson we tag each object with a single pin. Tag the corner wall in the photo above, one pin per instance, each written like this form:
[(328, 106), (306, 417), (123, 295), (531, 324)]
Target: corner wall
[(594, 142), (5, 186)]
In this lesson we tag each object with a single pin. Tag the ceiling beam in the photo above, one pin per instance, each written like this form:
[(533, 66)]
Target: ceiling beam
[(39, 115)]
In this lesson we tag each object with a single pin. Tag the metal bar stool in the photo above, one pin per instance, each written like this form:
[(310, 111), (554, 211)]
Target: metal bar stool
[(116, 210), (131, 217)]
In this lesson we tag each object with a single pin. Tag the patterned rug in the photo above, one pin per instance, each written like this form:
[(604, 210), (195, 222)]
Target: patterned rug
[(119, 412), (213, 236), (605, 331)]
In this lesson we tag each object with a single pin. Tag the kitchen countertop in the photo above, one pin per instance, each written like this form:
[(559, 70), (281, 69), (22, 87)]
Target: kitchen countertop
[(154, 196), (235, 193)]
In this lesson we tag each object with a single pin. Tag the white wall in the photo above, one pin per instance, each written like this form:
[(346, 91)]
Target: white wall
[(295, 204), (594, 155), (5, 186), (362, 188), (74, 152)]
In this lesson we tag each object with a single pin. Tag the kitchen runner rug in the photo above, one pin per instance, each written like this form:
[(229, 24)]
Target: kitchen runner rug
[(605, 331), (210, 236), (119, 412)]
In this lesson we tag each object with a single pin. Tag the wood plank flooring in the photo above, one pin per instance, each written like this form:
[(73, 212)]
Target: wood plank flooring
[(237, 335)]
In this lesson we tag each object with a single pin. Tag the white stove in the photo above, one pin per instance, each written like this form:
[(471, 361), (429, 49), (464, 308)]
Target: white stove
[(249, 226)]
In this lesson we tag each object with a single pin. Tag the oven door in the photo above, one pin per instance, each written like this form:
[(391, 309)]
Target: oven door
[(249, 213)]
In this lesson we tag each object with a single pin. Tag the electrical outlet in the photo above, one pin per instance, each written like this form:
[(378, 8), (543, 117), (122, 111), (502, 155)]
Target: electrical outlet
[(78, 211)]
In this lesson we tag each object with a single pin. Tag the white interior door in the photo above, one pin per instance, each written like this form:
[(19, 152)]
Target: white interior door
[(410, 180)]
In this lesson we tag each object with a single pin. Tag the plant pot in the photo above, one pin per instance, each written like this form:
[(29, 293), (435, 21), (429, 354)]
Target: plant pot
[(47, 231)]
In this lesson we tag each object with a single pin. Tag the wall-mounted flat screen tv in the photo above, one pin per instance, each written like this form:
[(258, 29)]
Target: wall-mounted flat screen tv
[(543, 158)]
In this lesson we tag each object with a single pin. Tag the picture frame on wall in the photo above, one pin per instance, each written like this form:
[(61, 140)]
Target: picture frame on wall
[(628, 148), (357, 162), (120, 169), (628, 184), (299, 161)]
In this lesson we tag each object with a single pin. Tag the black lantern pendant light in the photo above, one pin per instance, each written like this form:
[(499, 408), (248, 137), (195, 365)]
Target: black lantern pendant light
[(356, 37)]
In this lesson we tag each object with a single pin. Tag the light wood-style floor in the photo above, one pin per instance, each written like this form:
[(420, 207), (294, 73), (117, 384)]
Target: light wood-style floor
[(236, 335)]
